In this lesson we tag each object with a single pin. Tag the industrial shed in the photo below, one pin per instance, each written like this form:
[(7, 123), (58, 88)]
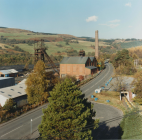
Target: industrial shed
[(17, 93), (9, 73), (7, 81)]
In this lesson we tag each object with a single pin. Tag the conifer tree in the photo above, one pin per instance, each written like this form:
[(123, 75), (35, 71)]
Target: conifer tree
[(69, 115), (37, 84)]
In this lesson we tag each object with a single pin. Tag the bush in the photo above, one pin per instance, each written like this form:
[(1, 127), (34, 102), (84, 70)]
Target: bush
[(9, 105)]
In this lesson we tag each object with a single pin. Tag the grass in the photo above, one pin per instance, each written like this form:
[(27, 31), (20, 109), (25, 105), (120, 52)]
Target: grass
[(26, 47), (131, 44), (112, 96), (15, 34)]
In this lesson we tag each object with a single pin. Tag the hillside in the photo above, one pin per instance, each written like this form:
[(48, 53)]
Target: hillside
[(18, 40), (56, 43)]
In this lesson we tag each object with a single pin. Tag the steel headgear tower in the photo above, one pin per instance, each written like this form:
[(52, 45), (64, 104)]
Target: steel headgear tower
[(96, 44)]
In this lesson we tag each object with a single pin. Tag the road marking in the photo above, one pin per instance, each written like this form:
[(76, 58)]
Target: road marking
[(37, 117), (19, 127), (98, 81), (11, 131), (86, 90)]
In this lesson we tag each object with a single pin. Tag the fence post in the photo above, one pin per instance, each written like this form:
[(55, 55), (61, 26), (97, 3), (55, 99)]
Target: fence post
[(0, 119)]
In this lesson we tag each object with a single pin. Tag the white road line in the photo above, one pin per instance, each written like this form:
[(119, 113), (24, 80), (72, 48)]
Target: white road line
[(98, 81), (37, 117), (86, 90), (11, 131)]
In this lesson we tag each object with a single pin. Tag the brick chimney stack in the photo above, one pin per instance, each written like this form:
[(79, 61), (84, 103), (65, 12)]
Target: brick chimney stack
[(96, 45)]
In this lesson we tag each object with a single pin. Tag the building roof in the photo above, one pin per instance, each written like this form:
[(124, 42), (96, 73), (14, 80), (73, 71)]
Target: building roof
[(91, 67), (3, 78), (91, 57), (9, 71), (75, 60), (13, 91)]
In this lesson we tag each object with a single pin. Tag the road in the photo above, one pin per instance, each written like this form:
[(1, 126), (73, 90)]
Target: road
[(21, 126), (100, 80)]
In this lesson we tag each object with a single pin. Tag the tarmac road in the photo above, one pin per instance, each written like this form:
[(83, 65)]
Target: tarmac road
[(22, 126)]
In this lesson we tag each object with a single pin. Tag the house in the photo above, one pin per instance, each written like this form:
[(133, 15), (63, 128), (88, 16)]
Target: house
[(7, 81), (9, 73), (17, 93), (78, 66)]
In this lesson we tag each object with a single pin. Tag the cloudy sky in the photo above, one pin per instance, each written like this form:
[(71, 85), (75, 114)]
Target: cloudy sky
[(112, 18)]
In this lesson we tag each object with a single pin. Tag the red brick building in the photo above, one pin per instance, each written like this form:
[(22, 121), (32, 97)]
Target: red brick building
[(78, 66)]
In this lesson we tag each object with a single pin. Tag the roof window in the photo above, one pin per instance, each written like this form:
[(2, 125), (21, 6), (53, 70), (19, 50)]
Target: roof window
[(21, 87), (12, 89), (19, 92), (2, 92), (9, 95)]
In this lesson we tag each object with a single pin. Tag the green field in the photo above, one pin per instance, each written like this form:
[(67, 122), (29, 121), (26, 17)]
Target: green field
[(25, 35), (131, 44), (52, 48)]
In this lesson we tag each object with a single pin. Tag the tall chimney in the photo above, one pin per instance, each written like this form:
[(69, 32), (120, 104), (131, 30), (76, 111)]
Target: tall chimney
[(96, 44)]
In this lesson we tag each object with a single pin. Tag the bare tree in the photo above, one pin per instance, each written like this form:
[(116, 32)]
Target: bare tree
[(119, 83)]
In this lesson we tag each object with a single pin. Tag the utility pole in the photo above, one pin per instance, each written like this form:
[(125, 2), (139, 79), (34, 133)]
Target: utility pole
[(31, 126)]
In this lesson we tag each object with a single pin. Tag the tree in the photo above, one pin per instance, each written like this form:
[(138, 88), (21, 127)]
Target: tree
[(73, 78), (67, 42), (134, 56), (9, 105), (27, 65), (37, 84), (68, 114), (119, 83), (137, 84), (131, 125)]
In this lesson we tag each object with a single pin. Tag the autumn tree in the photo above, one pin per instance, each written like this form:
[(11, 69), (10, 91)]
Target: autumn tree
[(37, 84), (68, 115), (137, 84), (9, 105)]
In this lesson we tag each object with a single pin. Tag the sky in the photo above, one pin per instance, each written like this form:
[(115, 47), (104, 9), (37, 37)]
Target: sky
[(112, 18)]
